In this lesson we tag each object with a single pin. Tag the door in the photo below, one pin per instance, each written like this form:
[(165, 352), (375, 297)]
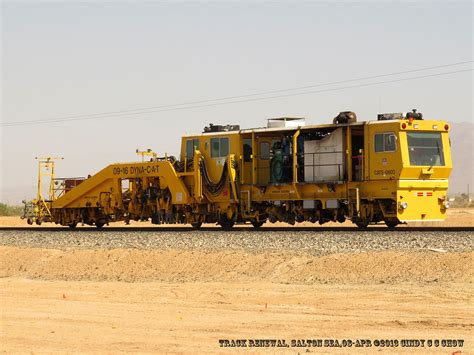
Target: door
[(247, 169), (384, 153), (356, 156)]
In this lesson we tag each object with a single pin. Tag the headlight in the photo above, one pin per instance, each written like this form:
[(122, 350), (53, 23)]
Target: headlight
[(446, 204), (403, 205)]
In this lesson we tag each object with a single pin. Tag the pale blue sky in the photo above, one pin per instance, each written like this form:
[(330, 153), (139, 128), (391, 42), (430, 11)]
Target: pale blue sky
[(79, 58)]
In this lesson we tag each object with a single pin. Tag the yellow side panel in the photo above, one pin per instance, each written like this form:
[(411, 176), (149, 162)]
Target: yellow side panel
[(383, 165), (423, 204), (88, 193), (420, 184)]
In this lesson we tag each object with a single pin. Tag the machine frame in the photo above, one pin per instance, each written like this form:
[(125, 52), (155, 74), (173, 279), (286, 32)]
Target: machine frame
[(227, 175)]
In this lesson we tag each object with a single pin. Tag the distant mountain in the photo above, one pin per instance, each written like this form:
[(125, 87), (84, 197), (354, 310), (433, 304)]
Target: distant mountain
[(461, 136)]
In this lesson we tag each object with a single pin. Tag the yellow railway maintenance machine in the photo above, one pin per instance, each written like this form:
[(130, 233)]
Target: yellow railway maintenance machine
[(392, 170)]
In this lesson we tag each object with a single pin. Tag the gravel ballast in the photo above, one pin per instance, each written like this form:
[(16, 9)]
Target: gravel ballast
[(307, 242)]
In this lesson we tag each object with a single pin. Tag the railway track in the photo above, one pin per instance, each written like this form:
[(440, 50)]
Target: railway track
[(218, 229), (299, 240)]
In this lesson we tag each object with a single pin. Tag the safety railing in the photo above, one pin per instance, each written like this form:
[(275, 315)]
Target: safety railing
[(64, 185), (322, 172), (278, 168)]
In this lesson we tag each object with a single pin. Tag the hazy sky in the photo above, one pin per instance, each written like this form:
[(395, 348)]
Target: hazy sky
[(62, 59)]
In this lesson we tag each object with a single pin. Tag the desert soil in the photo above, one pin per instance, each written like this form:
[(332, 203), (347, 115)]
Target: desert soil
[(110, 317), (173, 291), (108, 301)]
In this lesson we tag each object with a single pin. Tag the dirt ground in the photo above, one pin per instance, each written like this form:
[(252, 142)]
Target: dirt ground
[(109, 317), (142, 300), (456, 217), (109, 301)]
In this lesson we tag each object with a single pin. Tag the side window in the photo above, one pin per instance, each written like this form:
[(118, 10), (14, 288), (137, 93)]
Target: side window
[(215, 147), (385, 142), (379, 142), (191, 146), (247, 150), (389, 142), (264, 150), (219, 147), (224, 151)]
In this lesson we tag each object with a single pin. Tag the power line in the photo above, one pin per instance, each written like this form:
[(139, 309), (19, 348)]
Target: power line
[(191, 105), (259, 93), (227, 102)]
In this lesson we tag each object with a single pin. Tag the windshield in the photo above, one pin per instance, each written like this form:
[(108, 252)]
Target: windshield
[(425, 148)]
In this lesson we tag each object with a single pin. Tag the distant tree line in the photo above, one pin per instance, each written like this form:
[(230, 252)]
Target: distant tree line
[(7, 210)]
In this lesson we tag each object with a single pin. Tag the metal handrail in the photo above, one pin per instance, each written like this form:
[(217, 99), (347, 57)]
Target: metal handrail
[(60, 190), (340, 166), (340, 173)]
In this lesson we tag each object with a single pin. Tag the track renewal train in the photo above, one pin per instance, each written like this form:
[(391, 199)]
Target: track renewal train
[(392, 170)]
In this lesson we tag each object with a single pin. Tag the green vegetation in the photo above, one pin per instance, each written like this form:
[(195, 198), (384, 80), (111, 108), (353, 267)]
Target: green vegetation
[(6, 210)]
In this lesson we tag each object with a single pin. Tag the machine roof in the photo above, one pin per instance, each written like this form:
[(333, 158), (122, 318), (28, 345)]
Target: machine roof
[(289, 129)]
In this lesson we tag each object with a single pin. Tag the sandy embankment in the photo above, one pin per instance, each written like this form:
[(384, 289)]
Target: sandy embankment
[(234, 266)]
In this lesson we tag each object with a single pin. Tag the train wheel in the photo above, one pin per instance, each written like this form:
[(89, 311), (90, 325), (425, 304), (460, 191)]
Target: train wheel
[(391, 224), (226, 223), (362, 224), (72, 225), (38, 222), (257, 224), (99, 224), (196, 225)]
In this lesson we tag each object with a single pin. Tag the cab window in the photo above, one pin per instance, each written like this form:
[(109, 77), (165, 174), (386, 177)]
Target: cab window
[(191, 146), (219, 147), (425, 149), (385, 142)]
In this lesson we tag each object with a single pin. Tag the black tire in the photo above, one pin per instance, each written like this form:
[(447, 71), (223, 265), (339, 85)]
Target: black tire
[(72, 225), (257, 224), (226, 223), (392, 224), (362, 224), (196, 225)]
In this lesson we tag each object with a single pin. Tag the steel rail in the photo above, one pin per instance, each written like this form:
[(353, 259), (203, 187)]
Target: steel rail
[(218, 229)]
